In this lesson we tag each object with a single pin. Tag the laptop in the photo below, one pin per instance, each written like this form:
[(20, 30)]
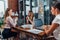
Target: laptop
[(38, 24)]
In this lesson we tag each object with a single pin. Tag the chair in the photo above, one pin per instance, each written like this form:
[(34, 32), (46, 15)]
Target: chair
[(38, 23)]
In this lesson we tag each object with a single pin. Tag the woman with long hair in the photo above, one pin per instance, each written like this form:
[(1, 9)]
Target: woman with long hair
[(9, 24), (30, 17)]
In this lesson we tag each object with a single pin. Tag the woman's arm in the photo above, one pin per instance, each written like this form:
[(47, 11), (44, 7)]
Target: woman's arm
[(30, 21), (52, 28), (48, 31), (46, 27), (12, 22), (27, 19)]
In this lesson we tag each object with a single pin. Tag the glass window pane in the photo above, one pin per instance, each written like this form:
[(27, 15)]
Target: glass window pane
[(35, 3), (35, 9), (1, 8), (27, 9), (27, 2)]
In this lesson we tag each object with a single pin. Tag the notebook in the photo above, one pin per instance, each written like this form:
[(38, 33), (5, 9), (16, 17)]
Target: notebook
[(35, 31)]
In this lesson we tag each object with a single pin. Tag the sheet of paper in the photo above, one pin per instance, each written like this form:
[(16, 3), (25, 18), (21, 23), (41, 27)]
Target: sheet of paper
[(27, 26), (35, 31)]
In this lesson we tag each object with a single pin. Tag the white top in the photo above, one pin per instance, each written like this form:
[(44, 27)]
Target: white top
[(10, 22), (57, 30)]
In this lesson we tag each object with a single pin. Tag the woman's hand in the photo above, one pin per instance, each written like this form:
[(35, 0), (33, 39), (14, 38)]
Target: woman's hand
[(27, 19), (16, 19), (42, 33), (46, 27)]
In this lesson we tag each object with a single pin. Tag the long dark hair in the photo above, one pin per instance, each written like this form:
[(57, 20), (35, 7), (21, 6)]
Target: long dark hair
[(6, 13), (57, 5)]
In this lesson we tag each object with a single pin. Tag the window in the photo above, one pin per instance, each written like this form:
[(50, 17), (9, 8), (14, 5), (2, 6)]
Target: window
[(27, 6), (3, 6), (35, 7), (27, 0), (27, 9)]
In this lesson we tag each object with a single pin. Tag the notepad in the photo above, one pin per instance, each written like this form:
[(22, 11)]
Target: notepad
[(35, 31), (27, 26)]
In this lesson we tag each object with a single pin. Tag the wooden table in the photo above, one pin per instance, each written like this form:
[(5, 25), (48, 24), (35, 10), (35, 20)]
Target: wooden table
[(37, 36)]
